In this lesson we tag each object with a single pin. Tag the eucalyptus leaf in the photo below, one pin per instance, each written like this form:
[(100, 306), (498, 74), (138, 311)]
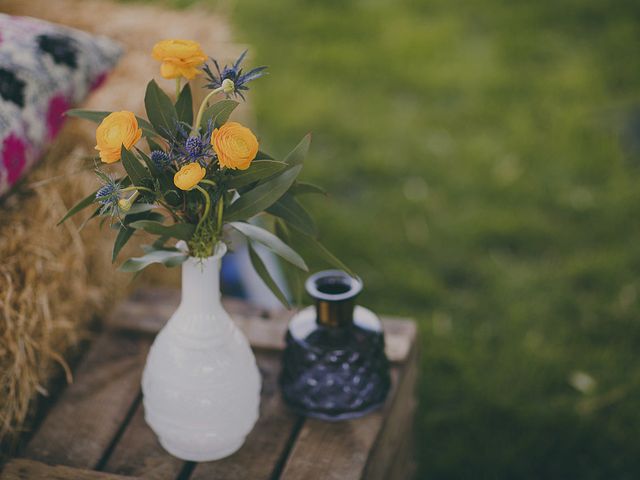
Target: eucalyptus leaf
[(218, 113), (97, 116), (140, 208), (173, 197), (262, 156), (136, 171), (131, 217), (124, 234), (184, 105), (297, 155), (303, 188), (261, 270), (258, 170), (153, 145), (181, 231), (290, 210), (324, 253), (81, 205), (95, 213), (263, 196), (147, 161), (160, 110), (169, 258), (270, 241)]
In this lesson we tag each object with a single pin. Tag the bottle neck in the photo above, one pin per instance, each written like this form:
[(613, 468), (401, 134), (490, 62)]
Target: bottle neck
[(201, 281), (335, 313)]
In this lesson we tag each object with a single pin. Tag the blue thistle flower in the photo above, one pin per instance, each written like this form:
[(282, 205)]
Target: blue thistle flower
[(108, 194), (233, 73), (187, 148), (194, 147), (160, 159), (105, 193)]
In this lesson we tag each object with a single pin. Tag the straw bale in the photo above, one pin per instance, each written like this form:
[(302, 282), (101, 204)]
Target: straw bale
[(55, 280)]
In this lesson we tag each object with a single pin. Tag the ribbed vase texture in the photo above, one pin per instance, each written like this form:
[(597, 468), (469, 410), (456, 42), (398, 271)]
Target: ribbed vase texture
[(201, 385)]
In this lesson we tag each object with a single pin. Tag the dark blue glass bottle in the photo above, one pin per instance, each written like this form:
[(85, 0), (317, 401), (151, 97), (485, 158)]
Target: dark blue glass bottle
[(334, 365)]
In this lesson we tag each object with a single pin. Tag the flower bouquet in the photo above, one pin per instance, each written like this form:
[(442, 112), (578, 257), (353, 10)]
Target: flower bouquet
[(201, 177)]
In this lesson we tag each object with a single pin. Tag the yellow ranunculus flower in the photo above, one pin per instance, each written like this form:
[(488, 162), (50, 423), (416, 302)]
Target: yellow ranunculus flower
[(235, 145), (189, 176), (180, 58), (117, 129)]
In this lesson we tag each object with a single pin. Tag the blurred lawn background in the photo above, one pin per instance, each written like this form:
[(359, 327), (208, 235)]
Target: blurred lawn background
[(483, 163)]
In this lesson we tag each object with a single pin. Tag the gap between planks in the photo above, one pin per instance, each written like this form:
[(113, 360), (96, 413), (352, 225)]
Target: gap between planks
[(116, 439)]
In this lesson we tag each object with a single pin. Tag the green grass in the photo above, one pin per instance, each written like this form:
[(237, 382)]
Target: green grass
[(480, 182)]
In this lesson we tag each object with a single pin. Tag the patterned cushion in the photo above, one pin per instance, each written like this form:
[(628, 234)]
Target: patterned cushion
[(44, 70)]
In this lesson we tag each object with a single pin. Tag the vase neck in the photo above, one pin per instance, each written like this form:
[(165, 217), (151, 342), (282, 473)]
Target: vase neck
[(334, 292), (201, 281)]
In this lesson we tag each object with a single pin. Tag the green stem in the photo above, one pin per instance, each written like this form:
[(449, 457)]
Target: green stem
[(135, 187), (208, 182), (220, 210), (203, 105), (207, 204), (177, 88)]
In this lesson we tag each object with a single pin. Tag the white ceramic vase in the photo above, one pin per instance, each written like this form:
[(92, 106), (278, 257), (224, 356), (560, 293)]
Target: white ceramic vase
[(201, 385)]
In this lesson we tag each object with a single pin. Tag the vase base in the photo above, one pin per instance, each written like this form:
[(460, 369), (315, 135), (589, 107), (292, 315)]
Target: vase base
[(191, 455)]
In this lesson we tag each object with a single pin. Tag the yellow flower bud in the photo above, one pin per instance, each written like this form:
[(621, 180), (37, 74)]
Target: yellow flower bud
[(235, 145), (180, 58), (124, 204), (189, 176), (117, 129), (228, 86)]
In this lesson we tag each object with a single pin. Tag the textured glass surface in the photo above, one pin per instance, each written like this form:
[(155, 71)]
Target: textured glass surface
[(335, 373)]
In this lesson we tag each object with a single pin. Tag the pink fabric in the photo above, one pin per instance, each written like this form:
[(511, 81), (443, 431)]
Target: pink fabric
[(45, 69), (58, 105), (14, 157)]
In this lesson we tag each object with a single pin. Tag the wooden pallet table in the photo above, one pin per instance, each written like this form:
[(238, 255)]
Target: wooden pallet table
[(96, 428)]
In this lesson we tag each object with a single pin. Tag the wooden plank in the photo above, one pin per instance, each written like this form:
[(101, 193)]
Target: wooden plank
[(267, 444), (361, 448), (149, 309), (335, 450), (82, 424), (138, 453), (397, 427), (22, 469)]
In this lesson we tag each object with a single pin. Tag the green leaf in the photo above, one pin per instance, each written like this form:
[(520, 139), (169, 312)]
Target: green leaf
[(140, 208), (169, 258), (181, 231), (154, 145), (270, 241), (136, 171), (160, 110), (135, 216), (147, 161), (293, 275), (81, 205), (184, 105), (95, 213), (97, 116), (261, 270), (258, 170), (262, 156), (290, 210), (173, 197), (297, 155), (219, 113), (262, 197), (124, 234), (324, 253), (303, 188)]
